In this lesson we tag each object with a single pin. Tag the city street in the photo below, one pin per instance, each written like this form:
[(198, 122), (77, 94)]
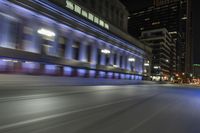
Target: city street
[(143, 108), (89, 66)]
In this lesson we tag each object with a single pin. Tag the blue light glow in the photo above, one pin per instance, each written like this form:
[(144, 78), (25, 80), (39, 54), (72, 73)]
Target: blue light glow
[(68, 71), (3, 65), (102, 74), (92, 73), (50, 69), (110, 74), (30, 66), (116, 75), (81, 72), (132, 77), (122, 76), (127, 76)]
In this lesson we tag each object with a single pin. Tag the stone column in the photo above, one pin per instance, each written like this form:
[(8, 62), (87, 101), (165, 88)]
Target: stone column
[(103, 57), (124, 61), (68, 48), (93, 57), (117, 64), (118, 60), (31, 37), (128, 64), (94, 54), (5, 40), (69, 53), (82, 56), (122, 76), (54, 49), (111, 59), (111, 62), (82, 51)]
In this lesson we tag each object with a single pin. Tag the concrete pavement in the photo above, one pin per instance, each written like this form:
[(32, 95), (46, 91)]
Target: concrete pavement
[(144, 108)]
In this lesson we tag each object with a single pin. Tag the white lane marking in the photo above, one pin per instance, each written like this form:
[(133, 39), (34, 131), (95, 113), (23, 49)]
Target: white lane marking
[(48, 95), (131, 130), (12, 98), (60, 114)]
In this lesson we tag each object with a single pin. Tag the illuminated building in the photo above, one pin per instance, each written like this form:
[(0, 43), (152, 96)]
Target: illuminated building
[(196, 70), (175, 16), (41, 37), (163, 53)]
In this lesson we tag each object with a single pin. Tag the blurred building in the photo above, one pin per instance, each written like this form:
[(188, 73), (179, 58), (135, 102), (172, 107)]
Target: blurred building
[(163, 65), (67, 38), (163, 2), (196, 70), (175, 16)]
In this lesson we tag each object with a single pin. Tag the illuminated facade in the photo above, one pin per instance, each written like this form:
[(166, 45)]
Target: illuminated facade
[(40, 37), (175, 16), (196, 70), (163, 51)]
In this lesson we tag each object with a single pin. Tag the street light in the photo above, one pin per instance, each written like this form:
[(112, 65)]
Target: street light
[(131, 59), (146, 64), (156, 67), (105, 51), (46, 32)]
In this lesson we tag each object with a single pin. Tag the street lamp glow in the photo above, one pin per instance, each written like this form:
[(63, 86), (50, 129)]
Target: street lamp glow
[(115, 66), (46, 32), (105, 51), (146, 64), (131, 59), (167, 60), (184, 18), (156, 67)]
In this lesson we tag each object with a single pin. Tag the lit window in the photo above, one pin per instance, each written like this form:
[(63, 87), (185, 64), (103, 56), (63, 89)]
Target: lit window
[(96, 20), (77, 9), (91, 17), (106, 26), (155, 23), (84, 13), (70, 5), (101, 23)]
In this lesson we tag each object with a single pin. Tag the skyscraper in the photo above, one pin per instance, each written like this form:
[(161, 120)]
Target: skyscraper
[(175, 16)]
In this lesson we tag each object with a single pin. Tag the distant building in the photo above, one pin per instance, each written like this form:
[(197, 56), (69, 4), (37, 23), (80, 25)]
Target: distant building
[(196, 70), (175, 16), (163, 64), (163, 2)]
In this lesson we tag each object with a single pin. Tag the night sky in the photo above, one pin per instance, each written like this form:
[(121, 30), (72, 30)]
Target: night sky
[(139, 4), (196, 30)]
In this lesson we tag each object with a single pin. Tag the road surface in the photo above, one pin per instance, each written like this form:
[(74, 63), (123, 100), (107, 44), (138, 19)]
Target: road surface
[(147, 108)]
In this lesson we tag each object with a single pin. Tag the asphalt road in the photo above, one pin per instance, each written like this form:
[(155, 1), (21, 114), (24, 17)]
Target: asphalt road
[(149, 108)]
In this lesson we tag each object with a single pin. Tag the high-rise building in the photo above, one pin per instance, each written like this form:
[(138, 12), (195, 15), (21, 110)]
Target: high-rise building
[(175, 16), (196, 70), (163, 2), (163, 63), (68, 38)]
